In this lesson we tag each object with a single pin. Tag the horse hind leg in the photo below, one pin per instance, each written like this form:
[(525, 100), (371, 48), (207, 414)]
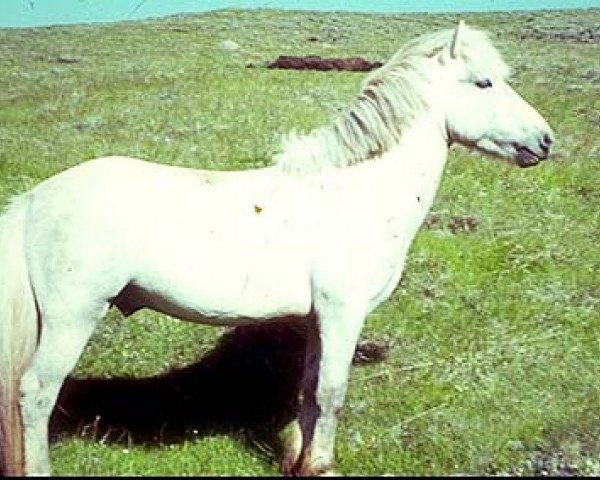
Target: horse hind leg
[(62, 340)]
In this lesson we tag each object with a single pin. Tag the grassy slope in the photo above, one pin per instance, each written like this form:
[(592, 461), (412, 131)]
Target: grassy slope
[(493, 366)]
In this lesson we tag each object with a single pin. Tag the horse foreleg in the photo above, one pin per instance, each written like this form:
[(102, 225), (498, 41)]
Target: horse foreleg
[(61, 344), (331, 341)]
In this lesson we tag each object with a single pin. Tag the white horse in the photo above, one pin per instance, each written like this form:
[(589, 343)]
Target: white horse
[(321, 235)]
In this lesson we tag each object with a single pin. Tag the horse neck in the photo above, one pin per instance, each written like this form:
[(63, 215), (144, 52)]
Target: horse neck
[(413, 166), (371, 133)]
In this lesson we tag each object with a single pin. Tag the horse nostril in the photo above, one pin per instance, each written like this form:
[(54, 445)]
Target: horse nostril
[(545, 143)]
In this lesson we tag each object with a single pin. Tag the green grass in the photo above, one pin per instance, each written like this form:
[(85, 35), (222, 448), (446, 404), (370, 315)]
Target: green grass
[(493, 365)]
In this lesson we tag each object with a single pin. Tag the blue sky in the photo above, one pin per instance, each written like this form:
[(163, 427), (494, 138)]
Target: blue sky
[(26, 13)]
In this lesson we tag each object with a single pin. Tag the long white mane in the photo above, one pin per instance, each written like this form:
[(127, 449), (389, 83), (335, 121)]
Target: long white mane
[(389, 99)]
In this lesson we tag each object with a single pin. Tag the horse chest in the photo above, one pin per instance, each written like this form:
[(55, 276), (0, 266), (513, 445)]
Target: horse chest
[(367, 231)]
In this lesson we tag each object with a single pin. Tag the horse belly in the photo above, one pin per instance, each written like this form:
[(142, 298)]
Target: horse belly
[(226, 285)]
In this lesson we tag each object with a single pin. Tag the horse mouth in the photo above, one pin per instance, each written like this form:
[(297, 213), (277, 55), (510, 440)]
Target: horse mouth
[(526, 158)]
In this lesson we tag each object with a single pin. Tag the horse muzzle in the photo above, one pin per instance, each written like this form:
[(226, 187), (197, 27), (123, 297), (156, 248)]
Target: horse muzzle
[(529, 157)]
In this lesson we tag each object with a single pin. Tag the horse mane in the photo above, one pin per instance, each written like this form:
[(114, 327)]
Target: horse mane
[(390, 98)]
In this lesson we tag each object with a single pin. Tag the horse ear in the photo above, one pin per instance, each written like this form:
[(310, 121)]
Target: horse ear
[(456, 39)]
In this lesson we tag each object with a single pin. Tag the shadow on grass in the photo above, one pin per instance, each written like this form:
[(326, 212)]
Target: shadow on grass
[(248, 383)]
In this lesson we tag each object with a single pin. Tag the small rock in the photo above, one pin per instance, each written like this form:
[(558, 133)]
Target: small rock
[(515, 445), (229, 46), (66, 59), (592, 75), (370, 352)]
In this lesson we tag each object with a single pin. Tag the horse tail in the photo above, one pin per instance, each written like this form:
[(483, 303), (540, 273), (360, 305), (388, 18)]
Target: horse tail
[(18, 333)]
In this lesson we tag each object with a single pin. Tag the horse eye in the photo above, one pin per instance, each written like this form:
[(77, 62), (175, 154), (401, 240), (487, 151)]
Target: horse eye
[(484, 83)]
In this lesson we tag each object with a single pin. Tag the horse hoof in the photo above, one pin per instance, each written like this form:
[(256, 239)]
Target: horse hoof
[(291, 438), (330, 473), (315, 470)]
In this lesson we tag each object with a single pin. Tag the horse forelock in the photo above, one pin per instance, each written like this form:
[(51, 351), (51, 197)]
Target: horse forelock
[(389, 99)]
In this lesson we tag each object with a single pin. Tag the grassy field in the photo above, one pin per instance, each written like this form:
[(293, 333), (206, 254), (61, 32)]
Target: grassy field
[(491, 337)]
